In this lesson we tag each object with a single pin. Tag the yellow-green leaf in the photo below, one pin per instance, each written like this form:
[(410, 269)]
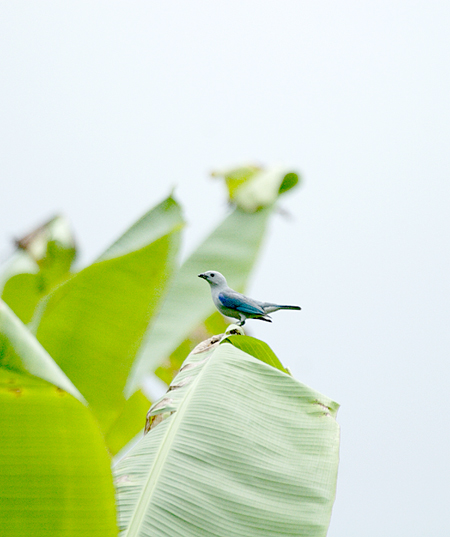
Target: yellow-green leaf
[(93, 324), (55, 475)]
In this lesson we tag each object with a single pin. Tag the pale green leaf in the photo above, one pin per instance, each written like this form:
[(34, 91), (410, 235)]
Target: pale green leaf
[(236, 177), (242, 449), (252, 188), (162, 220), (231, 249)]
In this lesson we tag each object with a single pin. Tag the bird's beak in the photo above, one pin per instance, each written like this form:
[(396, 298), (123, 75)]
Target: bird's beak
[(202, 276)]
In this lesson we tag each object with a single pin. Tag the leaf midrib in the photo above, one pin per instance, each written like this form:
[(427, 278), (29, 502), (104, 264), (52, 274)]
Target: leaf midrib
[(160, 458)]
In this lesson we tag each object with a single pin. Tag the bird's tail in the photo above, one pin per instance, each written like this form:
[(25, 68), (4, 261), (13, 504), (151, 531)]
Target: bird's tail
[(269, 308)]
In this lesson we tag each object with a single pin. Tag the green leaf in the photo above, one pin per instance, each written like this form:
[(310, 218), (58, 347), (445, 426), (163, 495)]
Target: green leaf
[(289, 181), (19, 262), (21, 352), (236, 447), (22, 292), (231, 249), (50, 250), (128, 423), (164, 219), (93, 324), (55, 476), (257, 348)]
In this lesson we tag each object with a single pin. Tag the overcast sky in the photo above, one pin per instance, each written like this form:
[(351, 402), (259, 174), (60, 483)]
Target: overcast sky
[(105, 106)]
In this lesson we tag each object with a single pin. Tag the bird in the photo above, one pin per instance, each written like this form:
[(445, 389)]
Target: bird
[(233, 304)]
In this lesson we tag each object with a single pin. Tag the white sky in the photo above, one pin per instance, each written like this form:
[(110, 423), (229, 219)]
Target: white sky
[(105, 106)]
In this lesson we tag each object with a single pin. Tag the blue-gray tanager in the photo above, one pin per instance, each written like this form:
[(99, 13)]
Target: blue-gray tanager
[(233, 304)]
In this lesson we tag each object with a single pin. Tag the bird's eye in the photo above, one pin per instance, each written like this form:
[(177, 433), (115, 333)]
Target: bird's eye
[(212, 275)]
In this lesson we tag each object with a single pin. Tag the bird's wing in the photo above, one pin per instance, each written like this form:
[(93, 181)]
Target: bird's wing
[(236, 301)]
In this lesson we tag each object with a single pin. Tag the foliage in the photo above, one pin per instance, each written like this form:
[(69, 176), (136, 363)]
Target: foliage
[(71, 394), (49, 252), (242, 449), (93, 324), (55, 476)]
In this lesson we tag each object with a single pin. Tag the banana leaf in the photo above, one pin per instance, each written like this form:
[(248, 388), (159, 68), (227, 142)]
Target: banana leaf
[(55, 475), (93, 324), (254, 187), (236, 447), (42, 261)]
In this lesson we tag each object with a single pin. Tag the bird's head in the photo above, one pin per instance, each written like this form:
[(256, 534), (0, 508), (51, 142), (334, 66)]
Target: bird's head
[(213, 277)]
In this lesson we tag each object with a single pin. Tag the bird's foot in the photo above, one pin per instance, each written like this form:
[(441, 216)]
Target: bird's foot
[(234, 330)]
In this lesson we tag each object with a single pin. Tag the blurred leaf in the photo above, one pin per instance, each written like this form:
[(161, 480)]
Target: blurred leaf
[(164, 219), (18, 263), (231, 249), (21, 352), (22, 292), (55, 476), (129, 422), (290, 180), (93, 324), (236, 177), (170, 366), (257, 348), (252, 188), (214, 324), (236, 447), (56, 230), (51, 251)]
